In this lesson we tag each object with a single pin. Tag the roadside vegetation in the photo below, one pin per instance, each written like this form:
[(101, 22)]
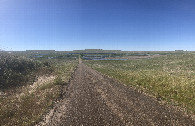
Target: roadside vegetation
[(16, 71), (169, 78), (28, 87)]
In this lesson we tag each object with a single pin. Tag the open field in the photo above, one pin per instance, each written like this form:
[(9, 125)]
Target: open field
[(169, 78), (60, 89), (29, 87), (94, 99)]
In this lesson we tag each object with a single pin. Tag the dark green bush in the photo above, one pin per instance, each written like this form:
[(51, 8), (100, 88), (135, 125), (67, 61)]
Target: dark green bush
[(15, 71)]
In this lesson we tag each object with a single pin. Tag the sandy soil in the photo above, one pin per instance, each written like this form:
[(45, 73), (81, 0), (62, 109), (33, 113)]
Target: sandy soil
[(93, 99)]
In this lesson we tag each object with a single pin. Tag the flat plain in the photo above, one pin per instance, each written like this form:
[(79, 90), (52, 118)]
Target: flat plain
[(142, 88)]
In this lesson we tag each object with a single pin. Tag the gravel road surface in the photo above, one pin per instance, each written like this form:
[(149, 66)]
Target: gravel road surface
[(91, 99)]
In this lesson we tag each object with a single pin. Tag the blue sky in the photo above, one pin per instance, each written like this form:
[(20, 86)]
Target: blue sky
[(106, 24)]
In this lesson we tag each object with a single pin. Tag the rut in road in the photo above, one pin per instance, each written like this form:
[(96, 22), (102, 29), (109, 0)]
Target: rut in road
[(93, 99)]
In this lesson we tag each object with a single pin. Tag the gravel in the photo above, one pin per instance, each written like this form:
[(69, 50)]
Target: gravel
[(94, 99)]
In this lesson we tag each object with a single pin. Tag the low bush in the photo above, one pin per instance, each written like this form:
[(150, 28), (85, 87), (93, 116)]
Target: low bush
[(15, 71)]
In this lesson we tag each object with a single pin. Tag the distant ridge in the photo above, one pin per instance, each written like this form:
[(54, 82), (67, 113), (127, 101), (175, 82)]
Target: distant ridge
[(92, 51), (40, 50), (96, 51), (76, 51)]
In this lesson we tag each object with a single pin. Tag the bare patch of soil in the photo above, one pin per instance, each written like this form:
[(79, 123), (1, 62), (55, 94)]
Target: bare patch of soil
[(40, 82)]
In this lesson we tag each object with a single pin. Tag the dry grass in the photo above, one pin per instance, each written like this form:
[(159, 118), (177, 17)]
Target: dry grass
[(27, 105)]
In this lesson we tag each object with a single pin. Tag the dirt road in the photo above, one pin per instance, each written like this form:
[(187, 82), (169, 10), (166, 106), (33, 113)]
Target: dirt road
[(93, 99)]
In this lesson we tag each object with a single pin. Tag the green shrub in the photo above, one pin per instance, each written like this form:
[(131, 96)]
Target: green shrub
[(15, 71)]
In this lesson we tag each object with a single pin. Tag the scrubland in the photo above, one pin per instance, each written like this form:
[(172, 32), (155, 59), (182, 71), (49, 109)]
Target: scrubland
[(28, 87)]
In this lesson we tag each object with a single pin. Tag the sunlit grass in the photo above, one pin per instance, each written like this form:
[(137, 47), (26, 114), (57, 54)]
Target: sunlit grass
[(170, 78)]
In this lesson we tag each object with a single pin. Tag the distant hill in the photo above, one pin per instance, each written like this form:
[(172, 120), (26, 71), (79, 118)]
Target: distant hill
[(75, 51)]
